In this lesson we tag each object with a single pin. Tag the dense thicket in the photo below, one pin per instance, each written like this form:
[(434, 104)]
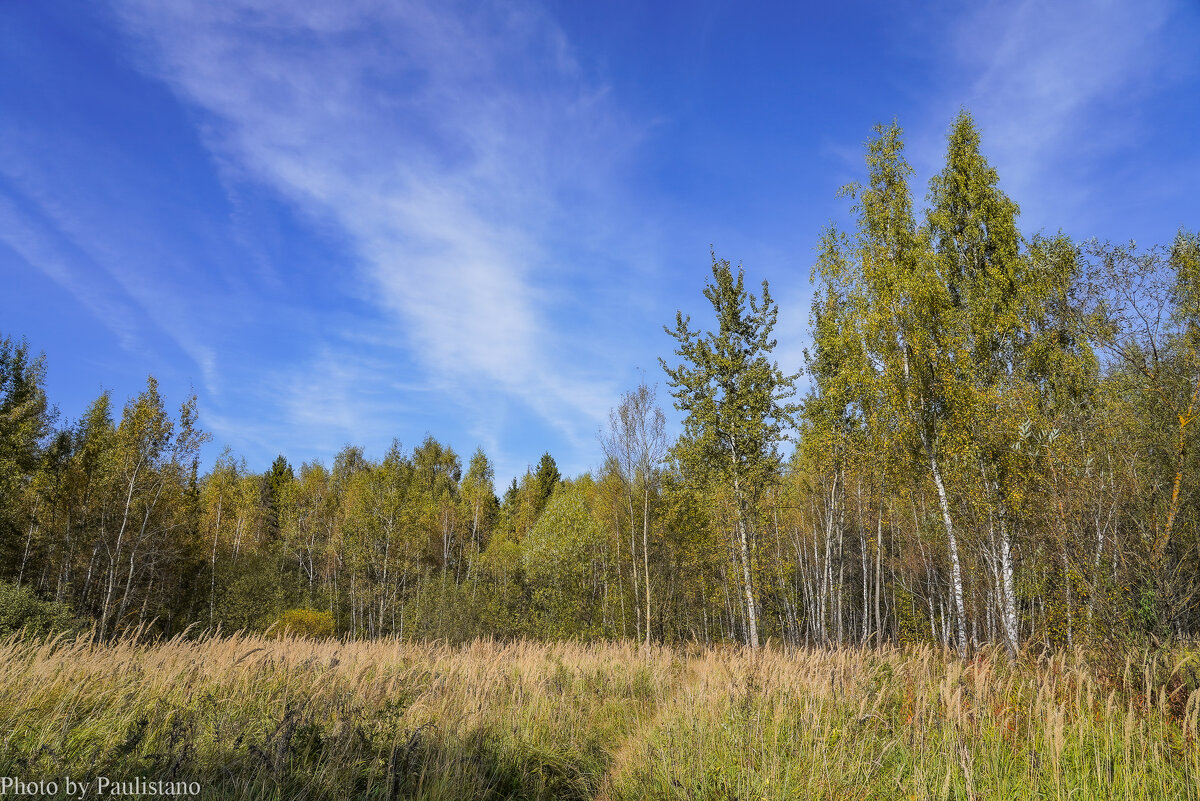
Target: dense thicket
[(998, 444)]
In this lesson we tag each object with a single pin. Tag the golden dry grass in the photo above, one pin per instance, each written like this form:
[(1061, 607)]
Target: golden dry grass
[(249, 717)]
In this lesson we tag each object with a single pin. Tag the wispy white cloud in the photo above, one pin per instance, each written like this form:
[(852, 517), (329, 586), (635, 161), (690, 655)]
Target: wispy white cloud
[(40, 247), (114, 272), (449, 187), (1052, 84)]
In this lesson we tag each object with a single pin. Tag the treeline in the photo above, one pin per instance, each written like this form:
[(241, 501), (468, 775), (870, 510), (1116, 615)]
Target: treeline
[(998, 445)]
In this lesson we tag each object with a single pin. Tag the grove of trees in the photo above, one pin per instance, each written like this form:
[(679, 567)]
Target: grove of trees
[(997, 444)]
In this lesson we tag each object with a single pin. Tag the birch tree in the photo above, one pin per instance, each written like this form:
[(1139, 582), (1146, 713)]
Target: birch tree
[(635, 444), (909, 334), (975, 251), (1146, 317)]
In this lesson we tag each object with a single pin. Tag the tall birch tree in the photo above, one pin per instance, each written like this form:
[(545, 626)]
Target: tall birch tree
[(909, 334), (635, 445)]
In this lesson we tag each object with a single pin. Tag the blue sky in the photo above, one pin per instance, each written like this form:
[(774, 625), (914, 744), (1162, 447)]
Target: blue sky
[(358, 221)]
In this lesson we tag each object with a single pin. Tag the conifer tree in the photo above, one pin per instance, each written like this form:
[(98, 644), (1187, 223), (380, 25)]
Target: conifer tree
[(25, 422), (735, 399), (545, 479)]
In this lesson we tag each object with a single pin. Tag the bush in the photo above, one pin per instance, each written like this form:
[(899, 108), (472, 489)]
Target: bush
[(22, 609), (249, 594), (304, 623)]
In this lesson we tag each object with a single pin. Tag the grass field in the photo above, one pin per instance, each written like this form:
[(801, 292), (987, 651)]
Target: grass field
[(249, 717)]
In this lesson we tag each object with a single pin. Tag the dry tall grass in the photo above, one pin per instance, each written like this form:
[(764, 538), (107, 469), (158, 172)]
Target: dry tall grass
[(249, 717)]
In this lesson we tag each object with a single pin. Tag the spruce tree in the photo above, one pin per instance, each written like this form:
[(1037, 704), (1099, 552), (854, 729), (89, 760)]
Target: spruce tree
[(735, 399)]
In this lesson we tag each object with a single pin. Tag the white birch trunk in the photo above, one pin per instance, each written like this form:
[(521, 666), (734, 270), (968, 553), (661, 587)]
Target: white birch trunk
[(955, 565)]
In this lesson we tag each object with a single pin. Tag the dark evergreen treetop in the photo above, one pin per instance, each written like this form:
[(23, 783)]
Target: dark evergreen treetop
[(733, 393)]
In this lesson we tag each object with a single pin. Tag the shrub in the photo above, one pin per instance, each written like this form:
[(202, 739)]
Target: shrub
[(249, 595), (21, 608), (304, 623)]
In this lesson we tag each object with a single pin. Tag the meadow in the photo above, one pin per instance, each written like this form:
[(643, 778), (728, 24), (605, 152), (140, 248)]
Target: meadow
[(249, 717)]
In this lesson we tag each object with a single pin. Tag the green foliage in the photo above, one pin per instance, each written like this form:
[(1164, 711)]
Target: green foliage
[(479, 494), (22, 610), (735, 399), (545, 480), (276, 484), (1185, 260), (250, 595), (25, 426), (437, 467), (734, 396), (24, 414), (562, 560)]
